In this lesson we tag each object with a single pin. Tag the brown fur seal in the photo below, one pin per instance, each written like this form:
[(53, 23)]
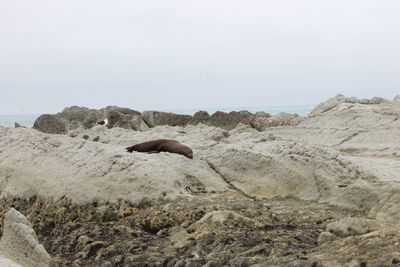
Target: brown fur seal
[(162, 145)]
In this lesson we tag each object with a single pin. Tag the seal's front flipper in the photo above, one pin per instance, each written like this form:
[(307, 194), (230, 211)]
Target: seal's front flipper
[(130, 149)]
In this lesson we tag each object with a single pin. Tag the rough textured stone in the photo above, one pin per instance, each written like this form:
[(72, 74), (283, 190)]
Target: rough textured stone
[(282, 119), (200, 117), (73, 118), (51, 124), (248, 198), (20, 243), (352, 226), (230, 120), (221, 119), (326, 237), (328, 105), (138, 124), (156, 118), (117, 119)]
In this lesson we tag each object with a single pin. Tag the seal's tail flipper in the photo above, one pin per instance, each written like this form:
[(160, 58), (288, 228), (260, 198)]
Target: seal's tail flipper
[(129, 149)]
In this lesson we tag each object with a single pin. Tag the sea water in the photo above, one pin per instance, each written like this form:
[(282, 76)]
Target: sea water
[(28, 119)]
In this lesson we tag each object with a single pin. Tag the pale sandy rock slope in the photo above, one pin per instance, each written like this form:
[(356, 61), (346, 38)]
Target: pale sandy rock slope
[(330, 157)]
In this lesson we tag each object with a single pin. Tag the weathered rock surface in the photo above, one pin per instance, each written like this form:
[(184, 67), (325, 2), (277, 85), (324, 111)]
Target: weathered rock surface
[(157, 118), (227, 121), (245, 159), (51, 124), (379, 248), (74, 118), (38, 164), (20, 243), (80, 117), (352, 226), (397, 99), (282, 119), (343, 158), (340, 99), (241, 231)]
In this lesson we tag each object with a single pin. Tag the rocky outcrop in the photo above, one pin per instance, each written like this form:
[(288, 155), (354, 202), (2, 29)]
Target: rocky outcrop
[(83, 118), (340, 99), (101, 171), (80, 117), (378, 248), (230, 120), (334, 176), (282, 119), (227, 121), (51, 124), (396, 99), (126, 121), (245, 160), (20, 243), (328, 105), (157, 118)]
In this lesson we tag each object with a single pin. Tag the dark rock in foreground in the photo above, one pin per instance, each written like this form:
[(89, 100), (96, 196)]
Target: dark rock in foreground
[(228, 231)]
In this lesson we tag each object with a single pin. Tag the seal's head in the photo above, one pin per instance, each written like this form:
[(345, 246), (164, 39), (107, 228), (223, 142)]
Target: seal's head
[(187, 152)]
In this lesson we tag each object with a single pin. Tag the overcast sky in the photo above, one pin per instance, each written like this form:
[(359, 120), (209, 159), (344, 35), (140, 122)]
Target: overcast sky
[(195, 54)]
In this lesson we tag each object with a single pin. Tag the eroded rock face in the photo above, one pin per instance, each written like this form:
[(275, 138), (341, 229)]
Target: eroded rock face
[(397, 99), (51, 124), (328, 105), (80, 117), (282, 119), (75, 118), (334, 176), (378, 248), (100, 171), (227, 121), (20, 243), (340, 99), (157, 118)]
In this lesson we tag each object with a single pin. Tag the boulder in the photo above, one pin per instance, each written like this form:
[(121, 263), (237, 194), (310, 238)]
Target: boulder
[(138, 124), (227, 121), (117, 119), (157, 118), (352, 100), (340, 99), (20, 243), (75, 117), (259, 119), (125, 111), (282, 119), (230, 120), (377, 101), (51, 124), (200, 117), (81, 116), (351, 226), (224, 217), (328, 105)]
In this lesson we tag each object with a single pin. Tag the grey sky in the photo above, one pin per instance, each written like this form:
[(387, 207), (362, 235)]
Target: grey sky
[(194, 54)]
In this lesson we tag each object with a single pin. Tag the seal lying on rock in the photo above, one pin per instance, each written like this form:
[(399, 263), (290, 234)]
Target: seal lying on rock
[(162, 145)]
